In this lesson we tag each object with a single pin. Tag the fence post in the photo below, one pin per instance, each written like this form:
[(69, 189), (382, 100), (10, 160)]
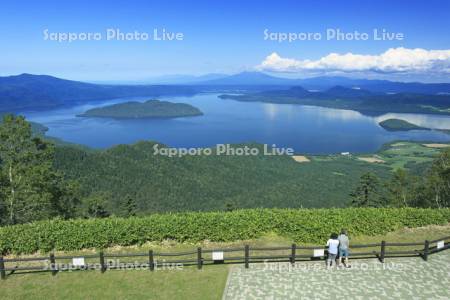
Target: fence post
[(151, 262), (102, 262), (383, 251), (53, 264), (294, 247), (247, 255), (199, 258), (2, 268), (426, 250)]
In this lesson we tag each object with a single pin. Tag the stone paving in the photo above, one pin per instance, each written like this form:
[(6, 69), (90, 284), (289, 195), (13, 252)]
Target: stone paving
[(397, 278)]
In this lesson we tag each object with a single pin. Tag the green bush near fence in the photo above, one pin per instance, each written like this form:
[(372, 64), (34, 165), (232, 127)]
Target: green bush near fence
[(302, 225)]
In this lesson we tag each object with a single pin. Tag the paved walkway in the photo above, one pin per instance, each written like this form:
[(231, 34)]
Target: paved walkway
[(398, 278)]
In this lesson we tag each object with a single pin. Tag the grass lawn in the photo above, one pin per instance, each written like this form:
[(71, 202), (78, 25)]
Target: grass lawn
[(132, 284), (188, 283)]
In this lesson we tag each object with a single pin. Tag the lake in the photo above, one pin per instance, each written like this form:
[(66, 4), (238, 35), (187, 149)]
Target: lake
[(307, 129)]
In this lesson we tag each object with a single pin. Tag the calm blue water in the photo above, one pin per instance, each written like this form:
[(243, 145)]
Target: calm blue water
[(307, 129)]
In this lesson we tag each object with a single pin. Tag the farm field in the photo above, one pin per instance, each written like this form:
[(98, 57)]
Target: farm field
[(406, 154), (400, 154)]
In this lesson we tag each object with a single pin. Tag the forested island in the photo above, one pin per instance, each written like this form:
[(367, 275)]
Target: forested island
[(148, 109), (400, 125)]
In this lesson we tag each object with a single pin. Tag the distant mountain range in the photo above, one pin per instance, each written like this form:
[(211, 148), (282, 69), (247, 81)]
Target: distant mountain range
[(185, 79), (250, 78), (322, 83), (27, 91)]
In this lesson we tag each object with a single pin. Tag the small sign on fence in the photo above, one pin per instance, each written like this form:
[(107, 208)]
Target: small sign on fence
[(78, 262), (217, 255), (440, 245), (319, 252)]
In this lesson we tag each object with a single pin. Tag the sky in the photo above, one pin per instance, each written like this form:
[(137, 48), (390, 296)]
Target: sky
[(227, 37)]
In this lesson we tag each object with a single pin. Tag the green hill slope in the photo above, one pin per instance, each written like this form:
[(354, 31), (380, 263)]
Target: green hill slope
[(160, 183)]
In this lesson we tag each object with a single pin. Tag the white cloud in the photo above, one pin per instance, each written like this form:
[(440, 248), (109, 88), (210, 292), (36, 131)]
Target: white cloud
[(394, 60)]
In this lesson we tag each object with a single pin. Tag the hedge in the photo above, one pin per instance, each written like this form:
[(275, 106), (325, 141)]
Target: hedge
[(302, 225)]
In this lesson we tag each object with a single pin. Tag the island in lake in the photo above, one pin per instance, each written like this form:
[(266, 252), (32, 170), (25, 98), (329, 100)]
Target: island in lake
[(400, 125), (148, 109)]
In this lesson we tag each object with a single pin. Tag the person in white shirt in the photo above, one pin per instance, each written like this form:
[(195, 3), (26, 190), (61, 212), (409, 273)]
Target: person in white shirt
[(333, 245)]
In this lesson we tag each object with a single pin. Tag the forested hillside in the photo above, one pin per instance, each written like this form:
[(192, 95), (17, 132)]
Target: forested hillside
[(159, 183), (39, 180)]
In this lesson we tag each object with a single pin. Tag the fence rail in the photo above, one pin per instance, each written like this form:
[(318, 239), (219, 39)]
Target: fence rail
[(199, 257)]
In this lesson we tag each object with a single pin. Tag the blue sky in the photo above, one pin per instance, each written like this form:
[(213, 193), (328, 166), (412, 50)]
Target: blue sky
[(222, 37)]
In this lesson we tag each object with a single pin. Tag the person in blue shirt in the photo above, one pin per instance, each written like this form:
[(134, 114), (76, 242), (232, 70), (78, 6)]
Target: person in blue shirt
[(344, 244)]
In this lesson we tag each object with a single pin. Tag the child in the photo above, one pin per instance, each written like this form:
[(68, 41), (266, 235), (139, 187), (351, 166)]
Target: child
[(332, 244)]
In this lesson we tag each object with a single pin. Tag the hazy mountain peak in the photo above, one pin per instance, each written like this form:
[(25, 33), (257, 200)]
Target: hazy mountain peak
[(251, 78), (341, 91)]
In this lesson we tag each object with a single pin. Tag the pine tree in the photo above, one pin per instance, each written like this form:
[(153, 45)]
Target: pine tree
[(367, 193), (129, 206)]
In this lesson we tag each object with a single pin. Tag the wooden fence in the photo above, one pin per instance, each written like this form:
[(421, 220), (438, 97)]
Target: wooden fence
[(200, 257)]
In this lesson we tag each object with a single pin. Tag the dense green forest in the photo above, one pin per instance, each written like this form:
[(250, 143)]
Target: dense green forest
[(148, 109), (159, 183), (41, 181)]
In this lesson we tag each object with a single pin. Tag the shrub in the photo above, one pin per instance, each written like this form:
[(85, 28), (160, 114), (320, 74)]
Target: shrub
[(302, 225)]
